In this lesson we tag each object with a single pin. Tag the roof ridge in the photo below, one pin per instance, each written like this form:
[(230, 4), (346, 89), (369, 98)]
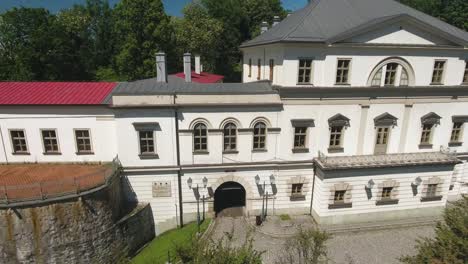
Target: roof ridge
[(312, 6)]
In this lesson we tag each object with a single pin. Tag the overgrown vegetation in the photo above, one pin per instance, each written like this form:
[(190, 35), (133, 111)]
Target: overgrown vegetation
[(285, 217), (308, 246), (450, 245)]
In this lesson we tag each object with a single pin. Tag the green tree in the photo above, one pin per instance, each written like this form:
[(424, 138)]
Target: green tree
[(450, 245), (142, 29), (306, 247)]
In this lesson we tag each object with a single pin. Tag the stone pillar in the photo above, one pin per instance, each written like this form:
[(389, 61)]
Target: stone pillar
[(362, 129), (405, 127)]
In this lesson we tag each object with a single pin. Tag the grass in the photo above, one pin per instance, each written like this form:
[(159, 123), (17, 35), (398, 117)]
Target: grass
[(157, 251), (285, 217)]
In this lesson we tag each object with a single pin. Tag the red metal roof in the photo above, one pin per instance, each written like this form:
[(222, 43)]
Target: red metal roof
[(54, 93), (203, 77)]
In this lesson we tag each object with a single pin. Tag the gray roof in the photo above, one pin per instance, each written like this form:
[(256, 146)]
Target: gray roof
[(329, 21)]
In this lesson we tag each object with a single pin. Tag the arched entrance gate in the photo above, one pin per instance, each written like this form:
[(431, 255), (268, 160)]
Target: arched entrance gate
[(229, 199)]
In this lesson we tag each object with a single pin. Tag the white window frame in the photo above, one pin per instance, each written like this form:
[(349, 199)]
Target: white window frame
[(311, 77), (230, 137), (153, 132), (44, 145), (265, 135), (13, 145), (91, 151), (348, 76), (201, 137), (465, 74), (442, 75)]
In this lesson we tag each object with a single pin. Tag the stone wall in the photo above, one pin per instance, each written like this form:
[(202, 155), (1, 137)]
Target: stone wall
[(89, 229)]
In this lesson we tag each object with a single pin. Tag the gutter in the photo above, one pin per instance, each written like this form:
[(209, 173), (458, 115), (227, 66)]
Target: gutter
[(179, 171)]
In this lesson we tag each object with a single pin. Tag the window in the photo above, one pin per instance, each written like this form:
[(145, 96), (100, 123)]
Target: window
[(200, 138), (259, 136), (404, 79), (387, 193), (230, 137), (305, 71), (339, 196), (438, 72), (18, 140), (382, 135), (390, 73), (377, 79), (336, 133), (50, 141), (431, 190), (342, 71), (456, 132), (259, 69), (250, 67), (426, 134), (465, 75), (297, 189), (272, 68), (83, 141), (300, 135), (146, 142)]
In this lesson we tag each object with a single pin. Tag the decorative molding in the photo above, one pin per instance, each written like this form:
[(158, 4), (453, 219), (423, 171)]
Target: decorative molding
[(387, 202), (460, 119), (431, 119), (340, 205), (303, 122), (300, 150), (385, 119), (338, 120), (146, 126)]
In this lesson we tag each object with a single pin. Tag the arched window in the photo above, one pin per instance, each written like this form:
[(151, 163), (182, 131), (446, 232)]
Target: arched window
[(200, 138), (259, 136), (230, 137), (392, 72)]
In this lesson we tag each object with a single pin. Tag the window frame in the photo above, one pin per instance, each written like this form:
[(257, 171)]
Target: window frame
[(230, 137), (259, 69), (426, 134), (459, 131), (201, 150), (14, 152), (299, 82), (392, 72), (386, 130), (341, 133), (442, 73), (341, 76), (272, 69), (301, 134), (465, 74), (87, 152), (258, 148), (57, 152), (385, 194), (250, 68), (295, 192), (431, 190), (153, 138), (337, 195)]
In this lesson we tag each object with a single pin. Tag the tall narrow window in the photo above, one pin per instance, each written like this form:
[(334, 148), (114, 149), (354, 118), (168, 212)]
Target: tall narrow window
[(83, 141), (200, 138), (336, 133), (300, 135), (18, 141), (50, 141), (259, 69), (438, 73), (272, 69), (426, 134), (230, 137), (305, 71), (381, 140), (250, 67), (146, 142), (342, 71), (259, 137), (456, 132), (465, 75), (390, 73)]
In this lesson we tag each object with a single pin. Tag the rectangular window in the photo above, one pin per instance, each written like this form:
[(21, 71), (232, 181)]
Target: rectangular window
[(297, 189), (146, 142), (390, 73), (305, 71), (342, 71), (339, 196), (387, 193), (272, 68), (83, 141), (300, 135), (438, 72), (456, 132), (465, 75), (336, 133), (259, 69), (431, 190), (259, 137), (426, 134), (18, 141), (250, 67), (50, 141)]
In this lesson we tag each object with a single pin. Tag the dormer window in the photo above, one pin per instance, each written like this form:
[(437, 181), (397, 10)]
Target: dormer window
[(392, 72)]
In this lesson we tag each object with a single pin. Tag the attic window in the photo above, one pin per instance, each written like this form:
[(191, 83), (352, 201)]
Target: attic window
[(392, 72)]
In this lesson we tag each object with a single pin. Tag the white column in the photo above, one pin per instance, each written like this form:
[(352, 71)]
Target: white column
[(405, 127), (362, 129)]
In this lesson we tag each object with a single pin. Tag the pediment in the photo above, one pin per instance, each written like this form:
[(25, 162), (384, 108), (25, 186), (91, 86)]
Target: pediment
[(385, 119)]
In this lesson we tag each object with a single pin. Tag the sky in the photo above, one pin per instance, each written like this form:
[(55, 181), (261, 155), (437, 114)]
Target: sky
[(173, 7)]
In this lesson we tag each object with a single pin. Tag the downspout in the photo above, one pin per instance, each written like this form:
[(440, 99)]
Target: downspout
[(313, 187), (179, 171), (3, 145)]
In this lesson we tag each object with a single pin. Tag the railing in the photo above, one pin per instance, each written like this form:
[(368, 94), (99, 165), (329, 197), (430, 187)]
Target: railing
[(43, 191)]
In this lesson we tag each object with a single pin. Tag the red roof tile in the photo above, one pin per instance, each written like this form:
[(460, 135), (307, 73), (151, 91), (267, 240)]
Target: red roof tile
[(203, 77), (54, 93)]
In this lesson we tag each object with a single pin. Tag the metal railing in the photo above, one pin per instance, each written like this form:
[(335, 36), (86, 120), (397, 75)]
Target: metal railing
[(44, 191)]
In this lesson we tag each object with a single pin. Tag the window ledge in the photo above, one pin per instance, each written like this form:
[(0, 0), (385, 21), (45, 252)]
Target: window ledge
[(300, 150), (335, 150), (201, 152), (21, 153), (83, 153), (455, 144), (425, 146), (304, 84), (437, 84), (230, 152), (431, 198), (148, 156), (52, 153), (259, 150), (297, 197), (387, 202), (340, 205), (465, 83), (342, 84)]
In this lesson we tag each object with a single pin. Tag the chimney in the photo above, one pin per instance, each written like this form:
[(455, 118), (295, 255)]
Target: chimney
[(198, 69), (276, 20), (161, 67), (263, 27), (188, 67)]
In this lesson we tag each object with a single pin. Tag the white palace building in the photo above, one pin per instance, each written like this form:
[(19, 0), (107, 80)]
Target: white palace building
[(351, 111)]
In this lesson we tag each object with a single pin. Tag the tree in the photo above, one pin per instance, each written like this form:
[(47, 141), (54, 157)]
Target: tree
[(142, 29), (306, 247), (450, 245)]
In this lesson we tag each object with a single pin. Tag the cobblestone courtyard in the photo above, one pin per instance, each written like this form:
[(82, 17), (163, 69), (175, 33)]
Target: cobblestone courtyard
[(365, 247)]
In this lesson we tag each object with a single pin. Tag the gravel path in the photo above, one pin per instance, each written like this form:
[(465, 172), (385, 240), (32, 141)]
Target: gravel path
[(366, 247)]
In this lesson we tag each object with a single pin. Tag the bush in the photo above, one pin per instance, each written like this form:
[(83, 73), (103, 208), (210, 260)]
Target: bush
[(306, 247)]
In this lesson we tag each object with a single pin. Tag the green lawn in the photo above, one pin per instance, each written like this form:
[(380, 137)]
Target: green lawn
[(156, 251)]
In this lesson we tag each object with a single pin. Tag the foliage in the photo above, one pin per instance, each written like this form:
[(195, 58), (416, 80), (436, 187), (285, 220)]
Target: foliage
[(450, 245), (285, 217), (165, 244), (306, 247)]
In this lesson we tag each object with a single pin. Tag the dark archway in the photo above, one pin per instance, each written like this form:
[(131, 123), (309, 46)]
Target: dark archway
[(229, 199)]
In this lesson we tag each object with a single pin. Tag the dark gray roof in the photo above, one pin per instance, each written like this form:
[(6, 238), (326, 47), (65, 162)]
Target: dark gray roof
[(179, 86), (330, 21)]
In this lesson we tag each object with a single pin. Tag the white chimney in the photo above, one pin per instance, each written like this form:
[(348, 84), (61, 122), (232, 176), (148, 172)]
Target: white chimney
[(188, 67), (161, 67), (198, 69), (276, 20), (263, 27)]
